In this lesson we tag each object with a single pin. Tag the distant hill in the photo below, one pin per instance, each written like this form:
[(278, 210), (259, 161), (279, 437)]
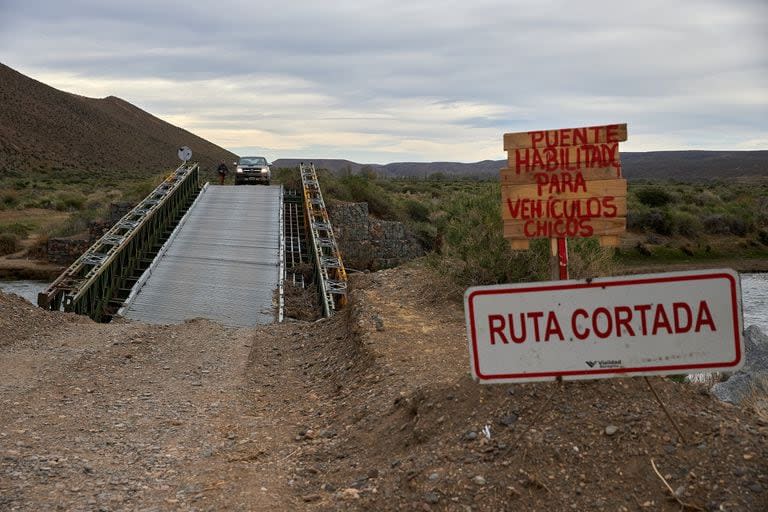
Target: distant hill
[(44, 128), (653, 165)]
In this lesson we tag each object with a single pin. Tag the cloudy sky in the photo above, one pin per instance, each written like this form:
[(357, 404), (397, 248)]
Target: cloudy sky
[(384, 81)]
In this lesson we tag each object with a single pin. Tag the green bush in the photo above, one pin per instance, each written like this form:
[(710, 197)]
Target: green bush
[(685, 224), (725, 224), (475, 251), (69, 201), (417, 210), (427, 235), (19, 229), (9, 199), (9, 243), (651, 220), (288, 177), (362, 189), (654, 197), (707, 198)]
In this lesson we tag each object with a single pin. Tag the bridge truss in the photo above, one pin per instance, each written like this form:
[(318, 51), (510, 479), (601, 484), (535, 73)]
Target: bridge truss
[(332, 277), (95, 283)]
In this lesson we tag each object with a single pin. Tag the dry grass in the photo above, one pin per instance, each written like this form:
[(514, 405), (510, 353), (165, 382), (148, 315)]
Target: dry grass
[(757, 400), (37, 218)]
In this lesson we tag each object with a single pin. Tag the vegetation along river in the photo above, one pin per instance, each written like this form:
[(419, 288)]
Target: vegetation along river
[(754, 294)]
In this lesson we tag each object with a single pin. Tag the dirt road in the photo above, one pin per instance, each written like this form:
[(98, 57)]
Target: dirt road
[(128, 416), (371, 410)]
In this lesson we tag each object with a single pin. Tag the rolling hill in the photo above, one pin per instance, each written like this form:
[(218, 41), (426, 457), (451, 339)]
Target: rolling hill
[(43, 128), (687, 166)]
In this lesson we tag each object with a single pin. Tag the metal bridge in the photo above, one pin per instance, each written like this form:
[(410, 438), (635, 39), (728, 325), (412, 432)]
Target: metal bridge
[(213, 252), (222, 262)]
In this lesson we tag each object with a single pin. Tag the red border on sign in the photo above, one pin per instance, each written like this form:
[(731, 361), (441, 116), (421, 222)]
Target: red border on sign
[(604, 284)]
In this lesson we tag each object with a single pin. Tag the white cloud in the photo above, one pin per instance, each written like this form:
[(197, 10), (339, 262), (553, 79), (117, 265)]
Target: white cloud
[(417, 80)]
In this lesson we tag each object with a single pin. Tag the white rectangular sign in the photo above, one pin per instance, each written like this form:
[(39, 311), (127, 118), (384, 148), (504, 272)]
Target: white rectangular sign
[(655, 324)]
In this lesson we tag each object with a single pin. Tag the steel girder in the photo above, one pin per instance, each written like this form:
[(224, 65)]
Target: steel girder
[(89, 285), (332, 276)]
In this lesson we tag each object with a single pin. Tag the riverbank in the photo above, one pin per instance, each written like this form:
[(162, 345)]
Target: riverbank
[(26, 269), (14, 268), (650, 266)]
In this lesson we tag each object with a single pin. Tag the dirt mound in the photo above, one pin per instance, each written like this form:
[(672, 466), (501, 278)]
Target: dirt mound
[(44, 128), (21, 322), (412, 431)]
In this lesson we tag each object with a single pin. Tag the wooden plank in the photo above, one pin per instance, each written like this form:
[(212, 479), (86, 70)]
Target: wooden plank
[(573, 228), (567, 158), (609, 241), (617, 187), (512, 177), (519, 245), (566, 136), (543, 208)]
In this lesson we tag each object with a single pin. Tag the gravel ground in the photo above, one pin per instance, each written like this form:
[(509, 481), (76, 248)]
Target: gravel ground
[(371, 410)]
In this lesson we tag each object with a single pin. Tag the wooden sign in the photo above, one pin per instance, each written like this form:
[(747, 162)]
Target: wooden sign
[(566, 137), (570, 158), (564, 183)]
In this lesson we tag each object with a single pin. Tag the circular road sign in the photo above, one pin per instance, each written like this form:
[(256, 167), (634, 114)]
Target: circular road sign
[(185, 154)]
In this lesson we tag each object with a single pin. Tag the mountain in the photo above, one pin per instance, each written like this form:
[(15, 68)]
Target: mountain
[(695, 165), (653, 165), (45, 128)]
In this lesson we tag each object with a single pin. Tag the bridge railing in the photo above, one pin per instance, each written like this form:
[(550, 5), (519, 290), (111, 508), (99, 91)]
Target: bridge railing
[(90, 284), (332, 276)]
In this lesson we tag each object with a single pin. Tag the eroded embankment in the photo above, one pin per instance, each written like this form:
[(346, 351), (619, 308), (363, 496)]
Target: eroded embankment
[(371, 410), (403, 424)]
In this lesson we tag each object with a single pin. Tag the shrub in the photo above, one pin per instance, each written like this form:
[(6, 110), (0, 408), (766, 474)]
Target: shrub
[(474, 246), (655, 220), (361, 189), (9, 243), (9, 199), (707, 198), (69, 201), (288, 177), (427, 235), (725, 224), (19, 229), (587, 259), (416, 210), (654, 197), (685, 224)]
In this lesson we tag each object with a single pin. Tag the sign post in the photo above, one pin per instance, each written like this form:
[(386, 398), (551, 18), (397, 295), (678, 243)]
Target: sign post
[(567, 183)]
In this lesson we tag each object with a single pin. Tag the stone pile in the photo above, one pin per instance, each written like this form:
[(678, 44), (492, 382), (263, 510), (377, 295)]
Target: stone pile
[(753, 377), (369, 243), (64, 251)]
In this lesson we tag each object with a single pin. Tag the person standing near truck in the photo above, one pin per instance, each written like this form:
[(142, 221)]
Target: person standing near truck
[(222, 170)]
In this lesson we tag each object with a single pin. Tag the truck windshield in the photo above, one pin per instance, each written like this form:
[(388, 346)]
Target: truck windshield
[(253, 160)]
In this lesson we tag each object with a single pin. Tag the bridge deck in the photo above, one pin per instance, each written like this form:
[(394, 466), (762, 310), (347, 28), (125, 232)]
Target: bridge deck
[(222, 265)]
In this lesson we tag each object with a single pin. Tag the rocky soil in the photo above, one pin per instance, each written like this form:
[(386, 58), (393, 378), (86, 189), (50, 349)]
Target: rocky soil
[(371, 410)]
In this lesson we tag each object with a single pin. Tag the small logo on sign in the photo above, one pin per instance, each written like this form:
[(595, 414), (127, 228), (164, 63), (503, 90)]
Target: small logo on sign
[(605, 364)]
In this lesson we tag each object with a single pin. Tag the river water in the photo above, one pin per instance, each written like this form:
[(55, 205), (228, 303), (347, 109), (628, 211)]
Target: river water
[(754, 296)]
